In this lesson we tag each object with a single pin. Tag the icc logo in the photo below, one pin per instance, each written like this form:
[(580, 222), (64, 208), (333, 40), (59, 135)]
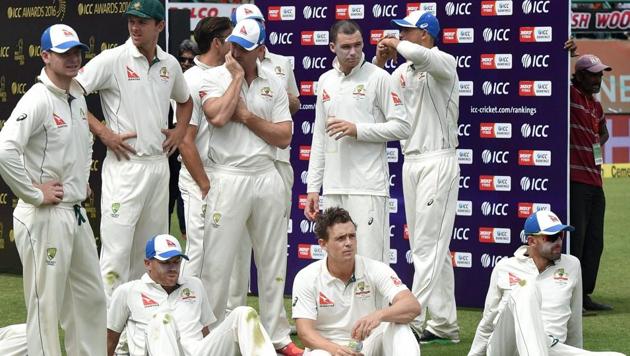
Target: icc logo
[(384, 10), (304, 177), (314, 62), (495, 88), (494, 209), (535, 61), (534, 184), (490, 261), (463, 130), (18, 55), (536, 7), (18, 88), (307, 127), (496, 35), (307, 226), (457, 9), (494, 156), (281, 38), (464, 182), (463, 61), (528, 130), (315, 12), (460, 233)]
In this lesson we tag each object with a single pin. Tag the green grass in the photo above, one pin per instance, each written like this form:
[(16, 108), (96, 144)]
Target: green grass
[(606, 331)]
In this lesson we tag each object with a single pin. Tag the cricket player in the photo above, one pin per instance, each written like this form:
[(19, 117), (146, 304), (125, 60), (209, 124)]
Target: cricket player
[(13, 340), (356, 113), (283, 70), (166, 314), (428, 84), (248, 111), (45, 158), (534, 301), (336, 300), (194, 184), (135, 82)]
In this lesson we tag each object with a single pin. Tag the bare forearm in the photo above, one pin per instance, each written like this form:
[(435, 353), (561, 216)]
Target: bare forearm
[(275, 134), (112, 341), (192, 161), (294, 104), (219, 111), (96, 126), (402, 311), (183, 112), (314, 341)]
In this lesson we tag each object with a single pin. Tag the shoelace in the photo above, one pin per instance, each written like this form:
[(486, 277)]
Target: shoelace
[(77, 214)]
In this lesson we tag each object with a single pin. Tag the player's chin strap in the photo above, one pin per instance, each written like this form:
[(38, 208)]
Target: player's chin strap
[(77, 213)]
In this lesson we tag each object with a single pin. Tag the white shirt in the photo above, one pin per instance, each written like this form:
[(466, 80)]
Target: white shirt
[(234, 144), (366, 98), (134, 304), (336, 306), (194, 78), (283, 69), (561, 290), (47, 138), (429, 85), (135, 96)]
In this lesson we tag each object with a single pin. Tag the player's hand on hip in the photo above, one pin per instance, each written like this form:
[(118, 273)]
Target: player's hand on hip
[(233, 66), (338, 128), (53, 192), (363, 327), (312, 206), (174, 137), (116, 143)]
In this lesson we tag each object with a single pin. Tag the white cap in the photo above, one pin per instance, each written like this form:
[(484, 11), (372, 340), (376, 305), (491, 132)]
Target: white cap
[(163, 247), (248, 33), (60, 38), (247, 11)]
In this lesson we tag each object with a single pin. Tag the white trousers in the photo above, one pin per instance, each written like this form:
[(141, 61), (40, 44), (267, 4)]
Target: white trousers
[(250, 204), (194, 211), (13, 340), (61, 279), (371, 215), (430, 187), (239, 280), (388, 339), (134, 208), (520, 331), (241, 333)]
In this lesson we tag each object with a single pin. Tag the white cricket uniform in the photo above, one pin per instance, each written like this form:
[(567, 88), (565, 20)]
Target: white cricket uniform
[(13, 340), (246, 197), (239, 280), (354, 172), (135, 98), (428, 83), (45, 139), (194, 205), (159, 323), (336, 306), (528, 312)]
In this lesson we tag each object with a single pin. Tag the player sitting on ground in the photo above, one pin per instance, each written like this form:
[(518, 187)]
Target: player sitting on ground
[(534, 303), (166, 315), (335, 300)]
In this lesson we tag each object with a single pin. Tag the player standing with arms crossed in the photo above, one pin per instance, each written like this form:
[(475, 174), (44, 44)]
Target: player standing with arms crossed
[(249, 112), (194, 184), (135, 82), (283, 70), (45, 158), (356, 113), (428, 83)]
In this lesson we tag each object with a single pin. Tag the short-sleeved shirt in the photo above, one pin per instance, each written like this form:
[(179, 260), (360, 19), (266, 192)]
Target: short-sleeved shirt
[(134, 304), (587, 116), (234, 144), (283, 70), (135, 94), (336, 306)]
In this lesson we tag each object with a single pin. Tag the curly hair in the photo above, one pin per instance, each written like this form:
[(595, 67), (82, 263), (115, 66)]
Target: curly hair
[(328, 218)]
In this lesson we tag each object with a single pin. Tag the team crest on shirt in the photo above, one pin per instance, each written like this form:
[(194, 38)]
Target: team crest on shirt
[(131, 75), (216, 218), (396, 281), (324, 301), (278, 71), (396, 99), (115, 209), (59, 121), (325, 96), (362, 290), (188, 295), (359, 92), (51, 253), (164, 74), (266, 91), (560, 276), (147, 301)]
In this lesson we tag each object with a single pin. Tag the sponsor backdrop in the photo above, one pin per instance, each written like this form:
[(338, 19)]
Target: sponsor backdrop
[(101, 25), (513, 111), (513, 120)]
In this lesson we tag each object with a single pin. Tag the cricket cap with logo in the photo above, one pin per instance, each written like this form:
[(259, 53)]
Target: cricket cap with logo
[(420, 19), (248, 34), (147, 9), (590, 63), (545, 222), (246, 11), (60, 38), (163, 247)]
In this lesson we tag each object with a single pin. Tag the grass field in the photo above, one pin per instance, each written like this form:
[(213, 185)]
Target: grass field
[(606, 331)]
